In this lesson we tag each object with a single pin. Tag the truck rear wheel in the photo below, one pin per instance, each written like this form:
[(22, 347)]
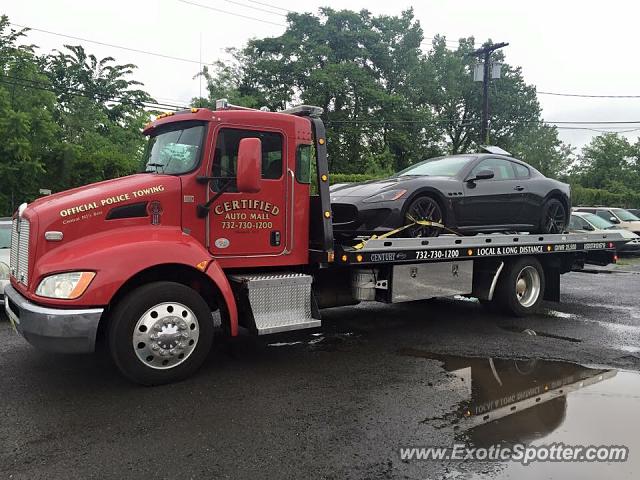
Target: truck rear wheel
[(520, 289), (160, 333)]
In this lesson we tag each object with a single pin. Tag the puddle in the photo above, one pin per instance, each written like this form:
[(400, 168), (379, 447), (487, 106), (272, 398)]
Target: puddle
[(540, 403)]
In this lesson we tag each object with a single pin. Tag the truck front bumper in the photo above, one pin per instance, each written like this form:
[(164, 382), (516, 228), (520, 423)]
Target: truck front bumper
[(53, 329)]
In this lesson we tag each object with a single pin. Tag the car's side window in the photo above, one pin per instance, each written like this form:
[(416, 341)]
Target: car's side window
[(521, 170), (226, 154), (575, 223), (502, 169)]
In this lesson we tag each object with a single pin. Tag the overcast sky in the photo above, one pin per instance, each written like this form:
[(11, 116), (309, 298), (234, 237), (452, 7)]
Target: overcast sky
[(581, 47)]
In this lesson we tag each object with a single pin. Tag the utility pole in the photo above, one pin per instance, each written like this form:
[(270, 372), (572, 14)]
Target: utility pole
[(486, 52)]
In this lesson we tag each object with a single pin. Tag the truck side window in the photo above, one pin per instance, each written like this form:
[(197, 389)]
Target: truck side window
[(226, 154), (304, 156)]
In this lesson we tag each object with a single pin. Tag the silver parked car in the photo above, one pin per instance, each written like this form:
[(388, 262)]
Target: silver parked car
[(581, 222), (5, 245), (618, 216)]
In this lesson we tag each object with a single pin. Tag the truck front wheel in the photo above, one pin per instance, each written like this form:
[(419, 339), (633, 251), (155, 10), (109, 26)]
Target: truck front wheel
[(160, 333)]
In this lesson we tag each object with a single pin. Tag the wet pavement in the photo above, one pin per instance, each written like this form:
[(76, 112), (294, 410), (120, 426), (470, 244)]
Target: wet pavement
[(341, 403)]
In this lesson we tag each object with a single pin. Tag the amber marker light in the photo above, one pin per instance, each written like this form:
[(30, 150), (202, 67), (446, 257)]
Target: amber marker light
[(549, 248), (81, 286), (359, 258), (202, 266), (321, 141), (324, 178), (469, 252), (343, 258), (327, 214)]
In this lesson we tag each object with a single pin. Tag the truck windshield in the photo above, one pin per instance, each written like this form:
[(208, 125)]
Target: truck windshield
[(174, 149)]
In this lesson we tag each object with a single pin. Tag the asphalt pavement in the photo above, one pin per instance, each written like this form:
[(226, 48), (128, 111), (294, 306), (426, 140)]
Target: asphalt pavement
[(342, 402)]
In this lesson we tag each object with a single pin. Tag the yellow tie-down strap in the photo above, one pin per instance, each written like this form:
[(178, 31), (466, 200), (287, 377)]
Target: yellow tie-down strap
[(424, 223)]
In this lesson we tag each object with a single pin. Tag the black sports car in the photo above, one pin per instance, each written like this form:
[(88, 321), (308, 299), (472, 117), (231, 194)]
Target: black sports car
[(467, 193)]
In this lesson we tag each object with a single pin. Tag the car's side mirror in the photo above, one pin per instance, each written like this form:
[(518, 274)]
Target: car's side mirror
[(249, 171), (482, 175), (589, 228), (614, 220)]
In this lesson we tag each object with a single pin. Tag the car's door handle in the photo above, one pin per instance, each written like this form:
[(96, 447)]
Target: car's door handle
[(518, 188)]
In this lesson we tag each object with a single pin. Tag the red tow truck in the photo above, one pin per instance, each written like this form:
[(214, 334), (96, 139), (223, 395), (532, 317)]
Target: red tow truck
[(226, 220)]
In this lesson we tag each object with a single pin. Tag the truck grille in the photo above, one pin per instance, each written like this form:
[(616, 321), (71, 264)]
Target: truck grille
[(19, 257)]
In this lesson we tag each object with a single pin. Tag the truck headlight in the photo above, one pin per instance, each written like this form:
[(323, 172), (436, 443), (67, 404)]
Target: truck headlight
[(4, 271), (67, 286), (387, 196)]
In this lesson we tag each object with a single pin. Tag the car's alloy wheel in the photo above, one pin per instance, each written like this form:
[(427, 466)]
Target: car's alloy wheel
[(555, 217), (422, 208)]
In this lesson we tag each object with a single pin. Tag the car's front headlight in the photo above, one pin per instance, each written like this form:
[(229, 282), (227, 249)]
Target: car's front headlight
[(4, 271), (387, 196), (67, 285)]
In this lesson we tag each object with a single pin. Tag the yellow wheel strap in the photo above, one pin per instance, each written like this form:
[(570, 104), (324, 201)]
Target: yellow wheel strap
[(424, 223)]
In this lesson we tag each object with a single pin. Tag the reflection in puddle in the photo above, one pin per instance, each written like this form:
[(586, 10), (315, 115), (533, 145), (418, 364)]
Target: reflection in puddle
[(508, 401)]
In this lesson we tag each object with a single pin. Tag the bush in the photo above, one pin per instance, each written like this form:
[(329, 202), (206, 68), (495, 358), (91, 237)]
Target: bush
[(351, 177), (594, 196)]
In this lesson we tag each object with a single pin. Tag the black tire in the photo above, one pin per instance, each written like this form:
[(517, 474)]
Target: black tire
[(508, 296), (554, 217), (422, 208), (182, 312)]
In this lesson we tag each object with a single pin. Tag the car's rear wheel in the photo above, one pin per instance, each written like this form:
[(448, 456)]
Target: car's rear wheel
[(554, 217), (422, 208)]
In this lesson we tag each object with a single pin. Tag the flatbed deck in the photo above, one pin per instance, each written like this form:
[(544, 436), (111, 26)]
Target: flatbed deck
[(452, 247)]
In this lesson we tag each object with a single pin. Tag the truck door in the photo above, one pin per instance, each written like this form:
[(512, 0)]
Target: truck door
[(249, 223)]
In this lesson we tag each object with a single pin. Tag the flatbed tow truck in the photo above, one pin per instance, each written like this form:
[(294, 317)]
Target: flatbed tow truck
[(227, 220)]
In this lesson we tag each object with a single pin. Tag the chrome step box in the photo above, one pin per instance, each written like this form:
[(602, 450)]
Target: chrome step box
[(275, 302)]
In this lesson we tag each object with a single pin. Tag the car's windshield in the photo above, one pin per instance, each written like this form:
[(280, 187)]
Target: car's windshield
[(625, 216), (174, 150), (5, 235), (598, 222), (441, 166)]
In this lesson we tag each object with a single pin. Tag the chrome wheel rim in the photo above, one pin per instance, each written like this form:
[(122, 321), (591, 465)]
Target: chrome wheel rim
[(166, 335), (528, 286), (423, 209), (556, 218)]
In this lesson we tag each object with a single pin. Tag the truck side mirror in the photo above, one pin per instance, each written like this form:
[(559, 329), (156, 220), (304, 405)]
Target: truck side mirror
[(614, 220), (249, 171)]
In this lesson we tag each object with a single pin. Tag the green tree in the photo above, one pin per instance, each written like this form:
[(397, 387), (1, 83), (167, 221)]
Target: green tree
[(608, 162), (28, 133)]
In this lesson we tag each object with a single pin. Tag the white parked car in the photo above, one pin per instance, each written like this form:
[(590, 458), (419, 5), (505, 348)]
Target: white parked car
[(5, 245), (618, 216), (581, 222)]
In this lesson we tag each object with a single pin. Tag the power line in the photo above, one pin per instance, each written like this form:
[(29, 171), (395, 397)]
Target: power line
[(272, 6), (587, 96), (255, 8), (121, 47), (232, 13), (36, 85)]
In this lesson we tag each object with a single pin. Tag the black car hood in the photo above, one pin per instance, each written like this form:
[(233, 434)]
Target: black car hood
[(372, 187)]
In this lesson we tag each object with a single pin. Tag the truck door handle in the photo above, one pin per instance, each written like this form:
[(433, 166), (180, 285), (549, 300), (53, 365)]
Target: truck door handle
[(518, 188)]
